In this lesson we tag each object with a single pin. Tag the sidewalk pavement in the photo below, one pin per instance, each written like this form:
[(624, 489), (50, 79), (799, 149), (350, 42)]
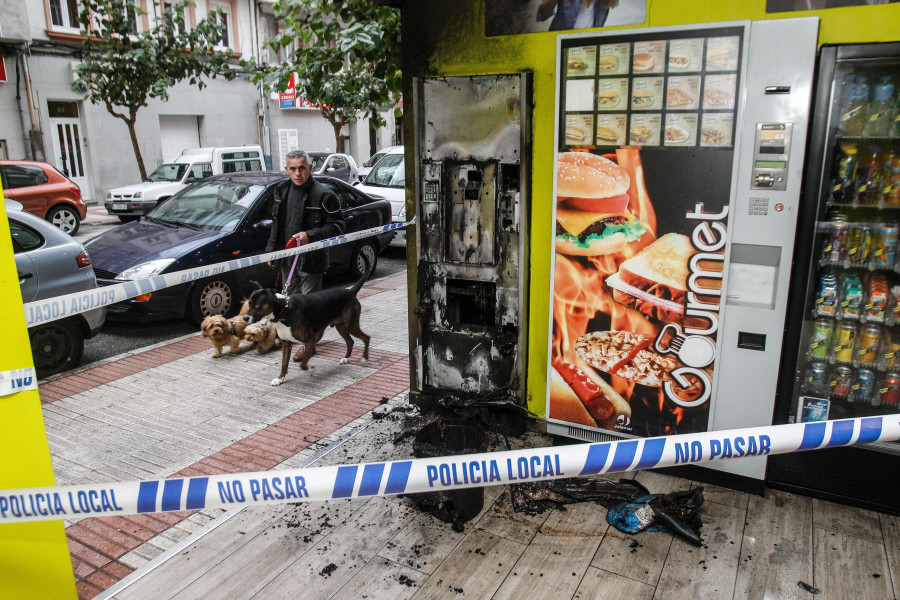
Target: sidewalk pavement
[(171, 410), (97, 215)]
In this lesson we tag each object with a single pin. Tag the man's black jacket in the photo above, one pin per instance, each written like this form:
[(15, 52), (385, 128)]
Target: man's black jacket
[(321, 219)]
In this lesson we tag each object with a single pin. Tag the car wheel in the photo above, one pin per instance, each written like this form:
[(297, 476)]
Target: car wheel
[(358, 262), (56, 346), (128, 218), (65, 218), (209, 297)]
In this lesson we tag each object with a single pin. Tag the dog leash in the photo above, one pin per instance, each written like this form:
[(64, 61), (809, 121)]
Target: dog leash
[(292, 243)]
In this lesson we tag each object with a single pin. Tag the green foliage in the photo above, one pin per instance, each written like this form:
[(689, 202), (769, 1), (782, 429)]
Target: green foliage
[(123, 69), (346, 53)]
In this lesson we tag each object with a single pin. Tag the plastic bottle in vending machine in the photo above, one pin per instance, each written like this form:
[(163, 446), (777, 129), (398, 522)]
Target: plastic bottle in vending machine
[(845, 174), (891, 180), (868, 178), (853, 118), (880, 111)]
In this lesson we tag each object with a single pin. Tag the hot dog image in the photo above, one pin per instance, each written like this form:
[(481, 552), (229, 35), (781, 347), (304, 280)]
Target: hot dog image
[(578, 398)]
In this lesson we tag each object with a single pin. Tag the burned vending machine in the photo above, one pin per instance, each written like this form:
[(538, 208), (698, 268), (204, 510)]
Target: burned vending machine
[(472, 157)]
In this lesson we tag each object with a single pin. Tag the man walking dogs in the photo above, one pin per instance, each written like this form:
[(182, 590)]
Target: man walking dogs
[(306, 211)]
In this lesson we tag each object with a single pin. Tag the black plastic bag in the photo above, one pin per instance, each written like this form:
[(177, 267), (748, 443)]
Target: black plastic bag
[(675, 512), (536, 497)]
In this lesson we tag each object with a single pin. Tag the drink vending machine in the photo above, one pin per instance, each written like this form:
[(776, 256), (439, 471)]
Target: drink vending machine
[(842, 342), (679, 156)]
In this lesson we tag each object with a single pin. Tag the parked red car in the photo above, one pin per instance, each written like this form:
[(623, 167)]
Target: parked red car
[(44, 191)]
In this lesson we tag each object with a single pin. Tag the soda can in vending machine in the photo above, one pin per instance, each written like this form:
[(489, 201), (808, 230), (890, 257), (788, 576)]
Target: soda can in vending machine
[(890, 390), (844, 341), (891, 349), (823, 331), (835, 250), (863, 389), (859, 244), (816, 382), (885, 248), (841, 383), (867, 348), (852, 297), (826, 295)]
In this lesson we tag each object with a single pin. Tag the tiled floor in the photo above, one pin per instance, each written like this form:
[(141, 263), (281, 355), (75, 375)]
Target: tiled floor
[(779, 546)]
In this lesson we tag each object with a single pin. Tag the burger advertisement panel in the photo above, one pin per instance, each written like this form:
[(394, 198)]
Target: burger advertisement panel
[(641, 229)]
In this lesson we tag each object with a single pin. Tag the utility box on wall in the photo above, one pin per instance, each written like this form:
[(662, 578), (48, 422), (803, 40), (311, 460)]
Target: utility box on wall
[(471, 152)]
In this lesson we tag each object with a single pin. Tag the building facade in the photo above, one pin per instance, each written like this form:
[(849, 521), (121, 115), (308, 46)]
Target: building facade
[(43, 118)]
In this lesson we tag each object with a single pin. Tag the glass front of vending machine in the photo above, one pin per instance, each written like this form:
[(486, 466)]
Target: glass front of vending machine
[(842, 342)]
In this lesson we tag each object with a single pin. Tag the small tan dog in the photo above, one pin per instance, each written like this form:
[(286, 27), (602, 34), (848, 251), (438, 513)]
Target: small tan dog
[(223, 332), (263, 335)]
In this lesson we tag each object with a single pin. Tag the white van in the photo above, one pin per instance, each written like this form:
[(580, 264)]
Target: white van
[(132, 201)]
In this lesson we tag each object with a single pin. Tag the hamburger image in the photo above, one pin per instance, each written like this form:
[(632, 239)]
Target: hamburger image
[(607, 99), (592, 215), (608, 63), (654, 281), (576, 64), (641, 98), (642, 61)]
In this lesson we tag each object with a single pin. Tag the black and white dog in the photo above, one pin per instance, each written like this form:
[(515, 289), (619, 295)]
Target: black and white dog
[(303, 318)]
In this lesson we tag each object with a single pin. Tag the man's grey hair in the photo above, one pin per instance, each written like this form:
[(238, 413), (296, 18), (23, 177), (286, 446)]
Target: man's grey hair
[(297, 154)]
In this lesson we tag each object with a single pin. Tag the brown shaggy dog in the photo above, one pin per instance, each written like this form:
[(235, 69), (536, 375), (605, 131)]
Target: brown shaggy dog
[(223, 332), (263, 336)]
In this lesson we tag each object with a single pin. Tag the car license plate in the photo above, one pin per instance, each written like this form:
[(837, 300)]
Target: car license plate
[(119, 206)]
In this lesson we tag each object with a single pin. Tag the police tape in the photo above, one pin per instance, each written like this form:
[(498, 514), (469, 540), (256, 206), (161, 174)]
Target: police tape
[(436, 474), (18, 380), (51, 309)]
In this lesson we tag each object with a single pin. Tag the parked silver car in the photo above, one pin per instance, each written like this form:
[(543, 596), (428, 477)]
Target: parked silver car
[(50, 263), (339, 166)]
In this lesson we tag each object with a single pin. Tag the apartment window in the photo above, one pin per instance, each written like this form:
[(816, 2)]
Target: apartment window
[(64, 14), (223, 18), (170, 14)]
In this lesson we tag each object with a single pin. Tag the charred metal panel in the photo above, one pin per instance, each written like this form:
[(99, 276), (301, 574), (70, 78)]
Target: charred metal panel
[(471, 214)]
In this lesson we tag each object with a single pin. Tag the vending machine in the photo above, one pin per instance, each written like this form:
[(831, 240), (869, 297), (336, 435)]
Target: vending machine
[(842, 342), (679, 159)]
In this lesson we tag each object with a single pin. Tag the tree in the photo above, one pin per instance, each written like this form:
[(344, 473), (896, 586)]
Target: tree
[(345, 53), (123, 68)]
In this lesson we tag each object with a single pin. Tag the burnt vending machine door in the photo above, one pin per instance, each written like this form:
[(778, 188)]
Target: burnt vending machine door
[(472, 191)]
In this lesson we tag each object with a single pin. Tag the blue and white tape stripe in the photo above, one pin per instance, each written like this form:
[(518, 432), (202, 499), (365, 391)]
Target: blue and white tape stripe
[(50, 309), (17, 380), (435, 474)]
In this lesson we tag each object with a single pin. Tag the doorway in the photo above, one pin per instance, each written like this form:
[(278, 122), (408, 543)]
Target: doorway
[(68, 152)]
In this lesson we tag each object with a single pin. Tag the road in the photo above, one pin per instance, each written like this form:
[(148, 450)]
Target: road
[(118, 338)]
